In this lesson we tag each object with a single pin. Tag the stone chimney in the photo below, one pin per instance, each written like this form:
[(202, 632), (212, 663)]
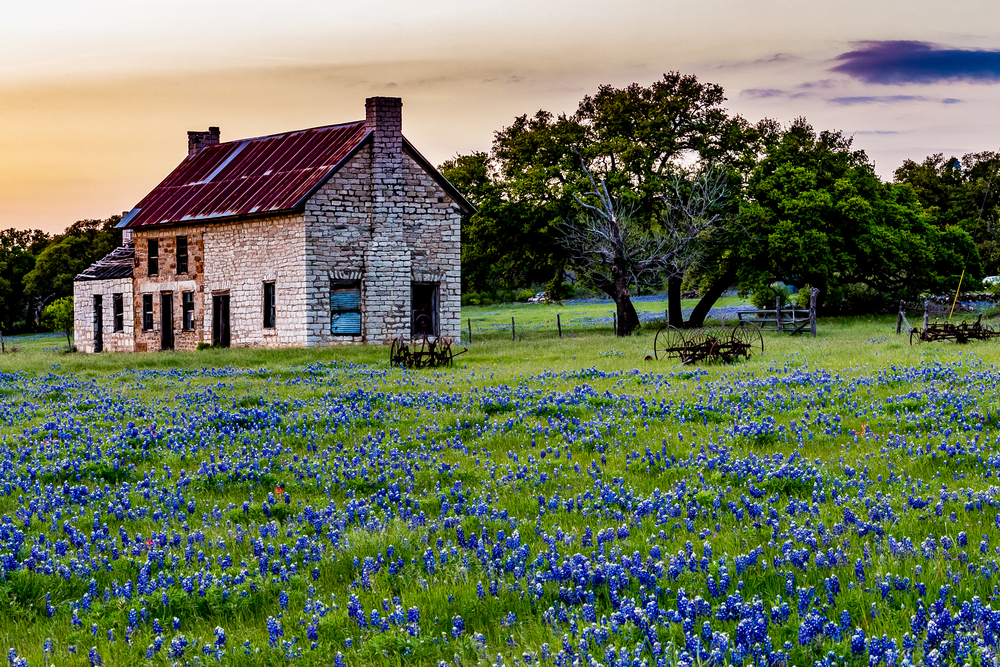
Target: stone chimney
[(384, 117), (198, 140), (387, 258)]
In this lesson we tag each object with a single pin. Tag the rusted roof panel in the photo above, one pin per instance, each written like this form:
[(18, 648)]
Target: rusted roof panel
[(265, 175), (116, 264)]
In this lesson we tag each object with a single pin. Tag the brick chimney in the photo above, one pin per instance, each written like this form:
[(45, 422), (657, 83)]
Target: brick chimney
[(198, 140)]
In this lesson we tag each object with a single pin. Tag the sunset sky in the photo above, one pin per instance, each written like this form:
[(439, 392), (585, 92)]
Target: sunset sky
[(96, 98)]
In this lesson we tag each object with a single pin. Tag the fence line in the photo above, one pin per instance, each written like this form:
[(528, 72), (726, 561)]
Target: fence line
[(559, 326)]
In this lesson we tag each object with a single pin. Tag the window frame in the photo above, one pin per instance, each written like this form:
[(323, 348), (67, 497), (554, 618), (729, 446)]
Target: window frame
[(187, 311), (147, 312), (270, 304), (182, 257), (344, 285), (118, 310), (153, 257)]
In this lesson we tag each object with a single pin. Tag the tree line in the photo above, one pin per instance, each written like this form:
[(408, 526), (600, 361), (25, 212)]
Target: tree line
[(37, 269), (661, 186)]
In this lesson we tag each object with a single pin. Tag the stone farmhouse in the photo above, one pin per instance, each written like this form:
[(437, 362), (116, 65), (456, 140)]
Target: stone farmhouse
[(331, 235)]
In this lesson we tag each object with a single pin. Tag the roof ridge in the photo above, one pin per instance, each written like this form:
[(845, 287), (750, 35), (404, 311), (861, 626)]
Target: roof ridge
[(287, 133)]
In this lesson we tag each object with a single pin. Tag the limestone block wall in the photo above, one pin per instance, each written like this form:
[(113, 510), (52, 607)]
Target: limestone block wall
[(432, 231), (338, 229), (83, 317), (167, 279), (418, 239), (240, 257)]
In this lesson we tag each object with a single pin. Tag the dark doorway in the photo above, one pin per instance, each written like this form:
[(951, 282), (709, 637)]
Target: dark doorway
[(167, 321), (98, 323), (220, 320), (423, 301)]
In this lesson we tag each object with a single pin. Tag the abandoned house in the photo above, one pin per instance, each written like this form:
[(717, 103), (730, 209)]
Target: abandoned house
[(337, 234)]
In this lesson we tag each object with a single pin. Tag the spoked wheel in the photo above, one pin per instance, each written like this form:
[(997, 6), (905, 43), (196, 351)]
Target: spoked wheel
[(749, 335), (914, 332), (669, 342), (397, 353)]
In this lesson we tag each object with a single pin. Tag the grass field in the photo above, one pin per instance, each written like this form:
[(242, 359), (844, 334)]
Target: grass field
[(548, 501)]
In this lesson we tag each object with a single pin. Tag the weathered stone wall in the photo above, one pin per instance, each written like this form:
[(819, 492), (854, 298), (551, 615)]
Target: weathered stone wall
[(338, 229), (432, 226), (240, 257), (421, 243), (168, 279), (83, 317)]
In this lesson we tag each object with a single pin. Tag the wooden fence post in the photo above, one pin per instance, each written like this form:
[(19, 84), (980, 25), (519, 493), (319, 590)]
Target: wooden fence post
[(3, 348), (927, 313), (513, 331), (777, 314), (559, 324), (899, 319), (470, 330), (813, 295), (614, 323)]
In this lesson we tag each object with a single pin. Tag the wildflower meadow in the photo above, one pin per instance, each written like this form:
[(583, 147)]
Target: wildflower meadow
[(834, 502)]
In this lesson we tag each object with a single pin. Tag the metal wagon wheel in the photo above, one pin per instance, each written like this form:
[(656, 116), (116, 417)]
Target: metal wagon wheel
[(399, 353), (750, 336), (918, 333), (669, 342)]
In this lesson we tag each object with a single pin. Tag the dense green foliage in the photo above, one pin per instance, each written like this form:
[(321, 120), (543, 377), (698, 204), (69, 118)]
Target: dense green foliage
[(812, 209), (961, 193), (817, 213), (36, 268)]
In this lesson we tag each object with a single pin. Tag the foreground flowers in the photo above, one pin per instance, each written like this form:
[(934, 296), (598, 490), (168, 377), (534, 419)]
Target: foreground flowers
[(347, 514)]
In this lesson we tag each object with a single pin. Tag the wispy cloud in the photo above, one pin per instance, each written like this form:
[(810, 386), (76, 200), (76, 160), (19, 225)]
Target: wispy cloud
[(876, 132), (903, 62), (764, 93), (876, 99), (822, 83), (777, 58)]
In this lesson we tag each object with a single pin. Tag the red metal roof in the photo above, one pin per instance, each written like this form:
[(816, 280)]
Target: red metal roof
[(265, 175)]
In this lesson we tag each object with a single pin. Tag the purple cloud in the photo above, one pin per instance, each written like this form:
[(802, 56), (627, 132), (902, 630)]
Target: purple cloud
[(902, 62)]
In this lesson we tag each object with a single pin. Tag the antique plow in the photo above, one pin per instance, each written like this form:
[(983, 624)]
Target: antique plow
[(431, 353), (960, 333), (712, 344)]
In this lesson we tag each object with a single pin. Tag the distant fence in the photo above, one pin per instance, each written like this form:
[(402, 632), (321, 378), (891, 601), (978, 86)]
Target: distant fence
[(566, 324)]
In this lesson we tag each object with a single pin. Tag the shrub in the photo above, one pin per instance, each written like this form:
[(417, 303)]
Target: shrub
[(801, 298), (763, 297), (524, 294), (58, 316)]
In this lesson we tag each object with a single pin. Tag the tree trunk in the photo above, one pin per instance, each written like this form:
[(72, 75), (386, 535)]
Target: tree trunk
[(628, 319), (676, 317), (709, 298)]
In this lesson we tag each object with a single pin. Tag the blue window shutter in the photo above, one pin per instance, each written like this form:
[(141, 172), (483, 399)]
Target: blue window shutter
[(345, 311), (345, 299)]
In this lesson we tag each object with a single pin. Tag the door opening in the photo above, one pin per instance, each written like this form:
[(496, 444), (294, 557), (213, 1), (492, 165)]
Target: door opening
[(423, 302), (98, 323), (167, 321), (220, 320)]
